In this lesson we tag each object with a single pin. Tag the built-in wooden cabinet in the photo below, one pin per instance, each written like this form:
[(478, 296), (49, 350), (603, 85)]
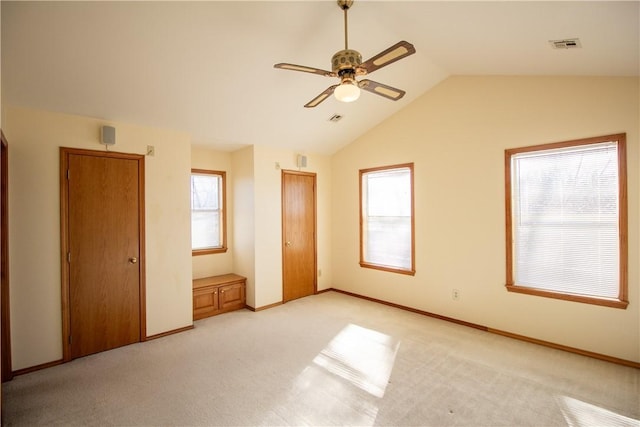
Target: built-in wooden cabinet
[(218, 294)]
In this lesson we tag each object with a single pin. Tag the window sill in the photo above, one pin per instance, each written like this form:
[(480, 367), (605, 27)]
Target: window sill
[(197, 252), (387, 268), (607, 302)]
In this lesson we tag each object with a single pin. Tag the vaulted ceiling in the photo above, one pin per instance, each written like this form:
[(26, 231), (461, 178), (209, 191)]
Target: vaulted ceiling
[(206, 68)]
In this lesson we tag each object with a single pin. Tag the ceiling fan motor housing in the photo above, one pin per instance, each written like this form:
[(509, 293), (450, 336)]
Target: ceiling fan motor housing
[(346, 59)]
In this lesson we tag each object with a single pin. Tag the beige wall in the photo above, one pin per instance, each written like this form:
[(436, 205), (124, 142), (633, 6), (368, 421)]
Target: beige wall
[(34, 138), (268, 219), (215, 264), (456, 135), (243, 191), (258, 219)]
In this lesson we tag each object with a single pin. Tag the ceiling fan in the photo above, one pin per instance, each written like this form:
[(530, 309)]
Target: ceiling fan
[(347, 64)]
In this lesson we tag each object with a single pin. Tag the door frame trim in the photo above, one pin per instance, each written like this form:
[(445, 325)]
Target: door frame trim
[(64, 239), (315, 225), (7, 373)]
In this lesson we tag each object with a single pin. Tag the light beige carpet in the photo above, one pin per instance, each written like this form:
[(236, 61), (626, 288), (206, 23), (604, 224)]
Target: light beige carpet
[(328, 359)]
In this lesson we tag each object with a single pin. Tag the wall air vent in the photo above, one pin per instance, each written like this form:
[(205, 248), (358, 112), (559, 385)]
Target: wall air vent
[(566, 44), (335, 118)]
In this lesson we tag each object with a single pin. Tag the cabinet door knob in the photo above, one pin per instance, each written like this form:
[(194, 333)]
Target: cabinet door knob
[(133, 260), (287, 243)]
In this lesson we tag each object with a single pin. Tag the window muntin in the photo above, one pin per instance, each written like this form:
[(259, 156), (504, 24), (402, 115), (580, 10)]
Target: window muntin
[(208, 216), (386, 218), (566, 220)]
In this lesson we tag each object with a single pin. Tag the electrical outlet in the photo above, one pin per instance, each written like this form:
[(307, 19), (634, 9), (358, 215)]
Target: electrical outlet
[(319, 272), (455, 295)]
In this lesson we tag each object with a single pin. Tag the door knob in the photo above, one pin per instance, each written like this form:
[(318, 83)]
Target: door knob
[(287, 244), (133, 260)]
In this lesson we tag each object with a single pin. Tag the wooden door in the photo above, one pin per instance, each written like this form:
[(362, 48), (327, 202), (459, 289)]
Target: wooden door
[(298, 234), (104, 251)]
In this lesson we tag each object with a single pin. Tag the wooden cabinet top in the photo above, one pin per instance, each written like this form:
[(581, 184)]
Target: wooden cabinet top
[(217, 280)]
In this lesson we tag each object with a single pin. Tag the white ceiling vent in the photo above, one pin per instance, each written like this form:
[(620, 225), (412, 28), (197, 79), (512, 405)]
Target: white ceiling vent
[(566, 44), (335, 118)]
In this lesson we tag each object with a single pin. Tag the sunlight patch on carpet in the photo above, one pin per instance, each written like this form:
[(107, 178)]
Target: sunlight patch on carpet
[(362, 356), (578, 414)]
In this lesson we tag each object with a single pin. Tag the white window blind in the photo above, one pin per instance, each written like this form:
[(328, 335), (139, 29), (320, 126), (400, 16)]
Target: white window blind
[(565, 219), (386, 218), (206, 211)]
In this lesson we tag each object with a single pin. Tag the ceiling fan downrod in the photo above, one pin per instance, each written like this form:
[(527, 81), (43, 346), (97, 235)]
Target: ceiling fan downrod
[(345, 5)]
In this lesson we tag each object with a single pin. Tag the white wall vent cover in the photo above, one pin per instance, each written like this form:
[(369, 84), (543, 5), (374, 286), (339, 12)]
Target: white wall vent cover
[(566, 44)]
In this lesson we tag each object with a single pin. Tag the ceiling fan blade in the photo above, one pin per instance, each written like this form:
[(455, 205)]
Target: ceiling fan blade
[(318, 99), (388, 56), (294, 67), (388, 92)]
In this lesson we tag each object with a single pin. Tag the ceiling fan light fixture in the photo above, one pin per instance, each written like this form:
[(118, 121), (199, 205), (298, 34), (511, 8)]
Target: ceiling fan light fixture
[(347, 92)]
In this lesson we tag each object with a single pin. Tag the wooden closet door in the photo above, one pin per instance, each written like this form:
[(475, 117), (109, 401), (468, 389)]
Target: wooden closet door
[(298, 234), (104, 253)]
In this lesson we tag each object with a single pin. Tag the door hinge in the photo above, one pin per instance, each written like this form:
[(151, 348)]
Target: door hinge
[(68, 256), (70, 340), (68, 174)]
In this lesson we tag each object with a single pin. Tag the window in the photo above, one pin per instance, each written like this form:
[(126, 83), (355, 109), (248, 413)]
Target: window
[(566, 220), (208, 216), (386, 218)]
